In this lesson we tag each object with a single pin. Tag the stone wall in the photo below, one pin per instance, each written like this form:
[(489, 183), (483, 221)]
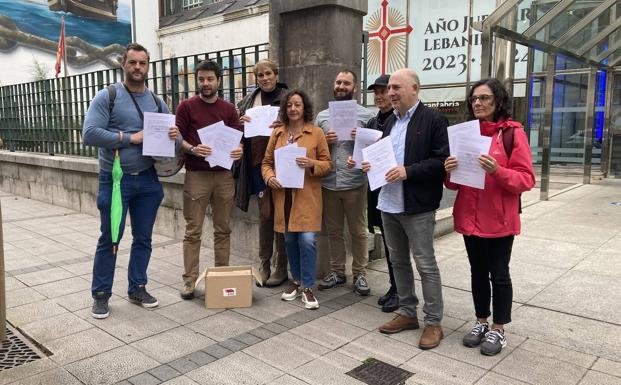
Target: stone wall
[(72, 182)]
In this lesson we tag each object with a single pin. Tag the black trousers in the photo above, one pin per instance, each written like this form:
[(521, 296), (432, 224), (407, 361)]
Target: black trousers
[(489, 262), (374, 218)]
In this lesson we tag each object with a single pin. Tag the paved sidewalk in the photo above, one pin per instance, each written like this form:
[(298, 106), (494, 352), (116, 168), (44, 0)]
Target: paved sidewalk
[(566, 271)]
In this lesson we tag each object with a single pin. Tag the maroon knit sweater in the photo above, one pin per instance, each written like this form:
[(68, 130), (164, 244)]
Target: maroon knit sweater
[(194, 114)]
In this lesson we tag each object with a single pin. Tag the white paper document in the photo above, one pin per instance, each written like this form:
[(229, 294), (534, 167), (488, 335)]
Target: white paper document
[(364, 138), (382, 158), (469, 129), (155, 140), (288, 173), (222, 139), (343, 118), (466, 144), (262, 118)]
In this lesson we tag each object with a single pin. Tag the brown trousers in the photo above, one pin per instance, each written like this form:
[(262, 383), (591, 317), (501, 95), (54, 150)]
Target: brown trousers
[(200, 189), (267, 235), (350, 204)]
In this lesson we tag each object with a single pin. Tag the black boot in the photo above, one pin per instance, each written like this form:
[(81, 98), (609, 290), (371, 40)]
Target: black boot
[(391, 304), (382, 300)]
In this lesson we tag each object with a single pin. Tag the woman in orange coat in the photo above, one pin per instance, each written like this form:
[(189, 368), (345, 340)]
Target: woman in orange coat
[(297, 212)]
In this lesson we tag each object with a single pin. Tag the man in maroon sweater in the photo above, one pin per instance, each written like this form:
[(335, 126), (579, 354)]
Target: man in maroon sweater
[(205, 184)]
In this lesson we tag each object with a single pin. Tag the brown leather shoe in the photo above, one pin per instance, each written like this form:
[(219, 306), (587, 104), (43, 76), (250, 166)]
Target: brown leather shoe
[(399, 324), (431, 337)]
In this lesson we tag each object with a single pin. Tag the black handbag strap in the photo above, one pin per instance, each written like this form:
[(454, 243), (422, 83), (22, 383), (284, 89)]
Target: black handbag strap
[(157, 103)]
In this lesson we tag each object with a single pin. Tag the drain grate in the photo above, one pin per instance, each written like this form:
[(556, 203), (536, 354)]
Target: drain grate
[(375, 372), (15, 352)]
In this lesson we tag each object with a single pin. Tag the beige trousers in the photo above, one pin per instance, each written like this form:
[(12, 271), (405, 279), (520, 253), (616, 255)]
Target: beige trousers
[(200, 189), (352, 205)]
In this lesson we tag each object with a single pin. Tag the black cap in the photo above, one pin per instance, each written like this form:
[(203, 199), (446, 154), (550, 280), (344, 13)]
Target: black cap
[(382, 81)]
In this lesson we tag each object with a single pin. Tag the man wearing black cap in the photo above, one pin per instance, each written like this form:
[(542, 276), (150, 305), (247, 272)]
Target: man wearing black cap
[(380, 89), (390, 300)]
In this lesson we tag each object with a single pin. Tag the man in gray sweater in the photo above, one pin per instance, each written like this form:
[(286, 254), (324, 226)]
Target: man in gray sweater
[(115, 125), (344, 193)]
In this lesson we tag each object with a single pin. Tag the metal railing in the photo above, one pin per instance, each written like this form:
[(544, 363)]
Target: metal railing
[(46, 116), (2, 286)]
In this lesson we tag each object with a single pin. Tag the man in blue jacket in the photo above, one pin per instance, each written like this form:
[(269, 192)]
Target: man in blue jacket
[(116, 124)]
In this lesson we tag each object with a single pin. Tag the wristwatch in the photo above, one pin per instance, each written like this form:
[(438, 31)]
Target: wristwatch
[(192, 149)]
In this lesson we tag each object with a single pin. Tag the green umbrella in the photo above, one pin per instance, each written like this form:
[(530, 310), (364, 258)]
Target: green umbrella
[(116, 206)]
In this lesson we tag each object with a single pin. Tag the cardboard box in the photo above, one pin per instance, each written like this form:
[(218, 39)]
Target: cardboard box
[(228, 286)]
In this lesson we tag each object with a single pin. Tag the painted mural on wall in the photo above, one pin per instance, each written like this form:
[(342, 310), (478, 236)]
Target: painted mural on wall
[(96, 30)]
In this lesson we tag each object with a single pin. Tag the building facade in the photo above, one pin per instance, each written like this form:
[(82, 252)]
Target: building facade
[(442, 39)]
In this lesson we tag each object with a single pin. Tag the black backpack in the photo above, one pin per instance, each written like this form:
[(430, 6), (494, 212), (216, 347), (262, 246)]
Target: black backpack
[(164, 166), (507, 142)]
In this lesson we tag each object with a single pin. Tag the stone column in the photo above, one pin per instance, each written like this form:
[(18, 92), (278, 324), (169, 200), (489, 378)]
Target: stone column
[(2, 286), (312, 40)]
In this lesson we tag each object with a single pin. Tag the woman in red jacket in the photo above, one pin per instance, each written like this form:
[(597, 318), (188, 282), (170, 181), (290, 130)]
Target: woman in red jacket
[(489, 218)]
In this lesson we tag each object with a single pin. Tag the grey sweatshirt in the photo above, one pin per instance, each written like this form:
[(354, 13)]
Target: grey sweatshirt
[(101, 128)]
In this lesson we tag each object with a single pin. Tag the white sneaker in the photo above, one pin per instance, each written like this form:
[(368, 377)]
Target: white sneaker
[(310, 302), (292, 292)]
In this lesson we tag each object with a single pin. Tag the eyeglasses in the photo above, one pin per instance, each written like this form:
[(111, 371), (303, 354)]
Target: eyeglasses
[(483, 98)]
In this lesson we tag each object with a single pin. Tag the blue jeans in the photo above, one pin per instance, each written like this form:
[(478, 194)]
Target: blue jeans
[(141, 195), (414, 233), (302, 254)]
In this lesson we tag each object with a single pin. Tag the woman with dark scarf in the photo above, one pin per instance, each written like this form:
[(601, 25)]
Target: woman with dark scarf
[(249, 181), (490, 218)]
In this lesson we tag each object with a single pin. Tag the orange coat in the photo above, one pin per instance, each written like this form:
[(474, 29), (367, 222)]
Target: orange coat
[(306, 203)]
